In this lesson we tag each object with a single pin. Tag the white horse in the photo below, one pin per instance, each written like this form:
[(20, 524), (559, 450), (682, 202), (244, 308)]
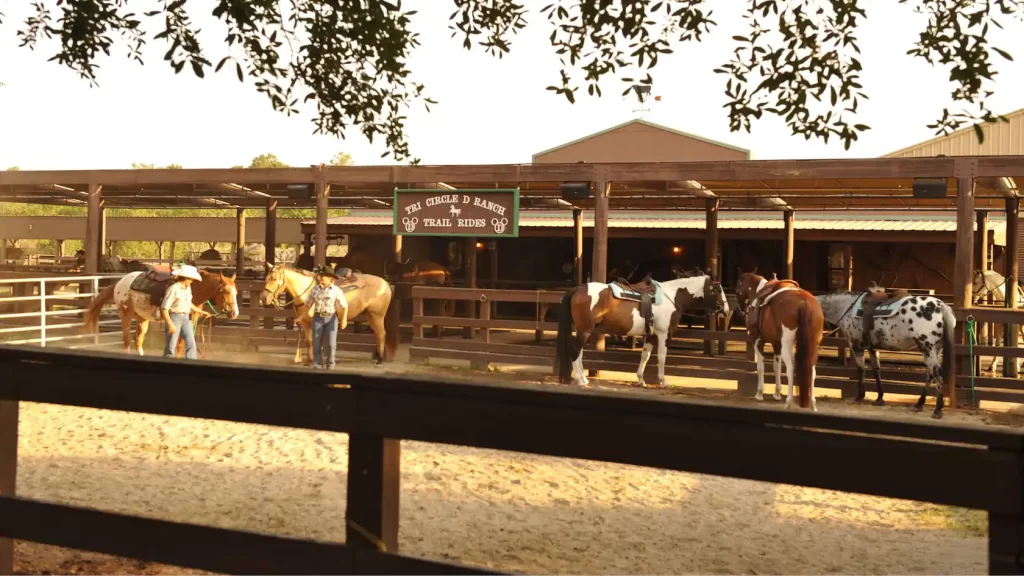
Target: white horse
[(991, 283), (593, 310), (924, 323)]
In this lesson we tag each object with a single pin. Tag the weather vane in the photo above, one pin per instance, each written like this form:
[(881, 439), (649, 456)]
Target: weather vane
[(643, 94)]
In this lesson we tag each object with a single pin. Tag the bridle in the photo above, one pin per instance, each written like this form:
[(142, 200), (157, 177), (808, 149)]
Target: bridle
[(276, 292), (719, 308)]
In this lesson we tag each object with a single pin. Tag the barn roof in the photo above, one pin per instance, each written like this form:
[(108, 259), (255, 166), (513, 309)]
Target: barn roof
[(649, 125)]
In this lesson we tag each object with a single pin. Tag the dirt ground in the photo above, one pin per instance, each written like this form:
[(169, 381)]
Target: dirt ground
[(502, 510)]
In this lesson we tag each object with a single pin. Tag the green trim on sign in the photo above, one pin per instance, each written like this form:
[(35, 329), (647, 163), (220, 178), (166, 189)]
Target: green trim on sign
[(396, 218)]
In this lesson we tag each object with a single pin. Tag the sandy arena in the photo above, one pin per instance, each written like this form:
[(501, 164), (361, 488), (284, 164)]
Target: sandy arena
[(496, 509)]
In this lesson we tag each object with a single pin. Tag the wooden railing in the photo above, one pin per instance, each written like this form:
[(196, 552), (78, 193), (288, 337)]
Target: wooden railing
[(915, 461)]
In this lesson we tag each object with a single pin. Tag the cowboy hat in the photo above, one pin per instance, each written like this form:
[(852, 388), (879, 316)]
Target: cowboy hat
[(187, 271), (324, 271)]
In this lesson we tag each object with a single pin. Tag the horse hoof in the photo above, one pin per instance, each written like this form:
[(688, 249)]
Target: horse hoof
[(777, 398), (917, 408), (879, 402), (759, 397), (937, 415), (858, 400)]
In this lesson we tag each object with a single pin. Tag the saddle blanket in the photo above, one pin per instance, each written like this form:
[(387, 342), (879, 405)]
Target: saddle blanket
[(883, 310), (623, 294)]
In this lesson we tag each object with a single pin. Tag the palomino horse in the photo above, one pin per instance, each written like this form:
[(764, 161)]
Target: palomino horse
[(593, 310), (924, 323), (364, 292), (132, 304), (781, 313), (992, 283)]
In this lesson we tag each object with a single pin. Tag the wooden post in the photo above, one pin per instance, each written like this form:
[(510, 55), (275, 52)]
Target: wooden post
[(470, 264), (58, 250), (323, 194), (844, 357), (8, 471), (711, 260), (599, 267), (170, 254), (374, 482), (392, 321), (787, 260), (270, 235), (3, 250), (240, 241), (981, 263), (1012, 273), (577, 262), (93, 231), (964, 266)]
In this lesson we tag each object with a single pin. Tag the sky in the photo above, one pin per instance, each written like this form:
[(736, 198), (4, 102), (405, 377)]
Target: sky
[(490, 110)]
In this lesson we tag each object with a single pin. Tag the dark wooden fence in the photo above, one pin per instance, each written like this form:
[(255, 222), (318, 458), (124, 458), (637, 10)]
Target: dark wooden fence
[(969, 467)]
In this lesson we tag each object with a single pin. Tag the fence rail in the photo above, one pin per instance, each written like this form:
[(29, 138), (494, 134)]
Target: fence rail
[(35, 299), (916, 461)]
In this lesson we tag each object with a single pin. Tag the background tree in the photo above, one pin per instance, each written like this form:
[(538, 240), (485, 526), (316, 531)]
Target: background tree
[(350, 59), (342, 159), (267, 161)]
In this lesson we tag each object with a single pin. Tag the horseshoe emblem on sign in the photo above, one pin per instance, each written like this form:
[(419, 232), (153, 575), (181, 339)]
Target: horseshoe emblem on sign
[(410, 223), (499, 225)]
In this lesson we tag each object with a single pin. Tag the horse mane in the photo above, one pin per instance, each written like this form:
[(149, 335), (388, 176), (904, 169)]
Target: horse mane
[(693, 284), (294, 268)]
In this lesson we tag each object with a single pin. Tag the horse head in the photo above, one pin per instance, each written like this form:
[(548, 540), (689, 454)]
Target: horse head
[(747, 285), (227, 293), (396, 270), (714, 292), (273, 285)]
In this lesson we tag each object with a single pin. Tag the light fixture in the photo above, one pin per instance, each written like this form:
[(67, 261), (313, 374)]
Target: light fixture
[(479, 245), (677, 250)]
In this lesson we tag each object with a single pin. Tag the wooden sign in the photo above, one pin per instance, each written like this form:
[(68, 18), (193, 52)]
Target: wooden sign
[(481, 213)]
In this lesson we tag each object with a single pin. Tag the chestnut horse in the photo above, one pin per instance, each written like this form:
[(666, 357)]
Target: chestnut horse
[(779, 312), (594, 311), (131, 304)]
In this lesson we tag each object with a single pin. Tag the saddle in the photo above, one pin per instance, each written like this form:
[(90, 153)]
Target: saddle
[(346, 280), (154, 283), (753, 317), (877, 302), (159, 274), (647, 292)]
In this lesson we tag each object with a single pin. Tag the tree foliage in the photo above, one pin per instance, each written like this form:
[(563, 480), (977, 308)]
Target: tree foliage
[(342, 159), (349, 59), (267, 161)]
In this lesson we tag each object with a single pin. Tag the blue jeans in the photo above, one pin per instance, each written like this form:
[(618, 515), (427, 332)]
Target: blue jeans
[(184, 327), (324, 329)]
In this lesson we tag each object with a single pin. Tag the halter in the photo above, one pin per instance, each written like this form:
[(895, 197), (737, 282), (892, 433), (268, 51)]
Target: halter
[(281, 286), (985, 290), (718, 301)]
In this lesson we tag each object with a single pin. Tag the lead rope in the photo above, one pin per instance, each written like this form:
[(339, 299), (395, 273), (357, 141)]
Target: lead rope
[(970, 351)]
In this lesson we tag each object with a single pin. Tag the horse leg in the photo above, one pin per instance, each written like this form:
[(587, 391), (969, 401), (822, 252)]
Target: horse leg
[(759, 358), (140, 334), (934, 365), (858, 357), (662, 355), (876, 364), (377, 325), (787, 343), (777, 364), (645, 355), (126, 329), (578, 373)]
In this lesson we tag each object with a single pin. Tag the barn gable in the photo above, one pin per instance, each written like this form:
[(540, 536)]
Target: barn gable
[(1001, 139), (641, 141)]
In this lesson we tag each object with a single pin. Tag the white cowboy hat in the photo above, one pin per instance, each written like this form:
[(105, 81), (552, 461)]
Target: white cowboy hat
[(188, 272)]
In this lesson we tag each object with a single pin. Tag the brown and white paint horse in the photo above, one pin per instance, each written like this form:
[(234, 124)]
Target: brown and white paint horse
[(134, 305), (593, 311), (789, 317)]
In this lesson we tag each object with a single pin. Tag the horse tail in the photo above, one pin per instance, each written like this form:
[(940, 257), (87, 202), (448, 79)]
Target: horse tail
[(948, 341), (808, 338), (91, 318), (565, 350)]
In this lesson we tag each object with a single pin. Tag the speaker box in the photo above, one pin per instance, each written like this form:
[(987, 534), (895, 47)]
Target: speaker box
[(575, 191), (929, 188)]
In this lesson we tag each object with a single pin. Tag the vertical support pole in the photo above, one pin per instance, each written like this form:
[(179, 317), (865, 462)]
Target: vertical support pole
[(711, 261), (964, 266), (374, 482), (93, 235), (170, 253), (323, 194), (470, 263), (3, 250), (240, 241), (392, 320), (42, 313), (1005, 535), (844, 356), (58, 250), (8, 471), (599, 267), (980, 262), (787, 259), (270, 234), (577, 251), (1012, 273), (95, 292)]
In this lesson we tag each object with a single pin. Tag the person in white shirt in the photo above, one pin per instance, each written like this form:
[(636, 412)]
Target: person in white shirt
[(327, 303), (175, 309)]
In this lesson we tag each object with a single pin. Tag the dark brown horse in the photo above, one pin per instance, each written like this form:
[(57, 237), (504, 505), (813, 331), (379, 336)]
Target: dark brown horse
[(423, 272), (594, 310), (781, 313)]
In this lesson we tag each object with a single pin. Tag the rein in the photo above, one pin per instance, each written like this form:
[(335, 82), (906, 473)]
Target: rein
[(203, 326)]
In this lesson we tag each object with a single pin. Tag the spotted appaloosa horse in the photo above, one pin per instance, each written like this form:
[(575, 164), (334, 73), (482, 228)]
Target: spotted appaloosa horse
[(593, 311), (924, 323), (779, 312)]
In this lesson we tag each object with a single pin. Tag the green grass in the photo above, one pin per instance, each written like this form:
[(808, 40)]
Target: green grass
[(967, 522)]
